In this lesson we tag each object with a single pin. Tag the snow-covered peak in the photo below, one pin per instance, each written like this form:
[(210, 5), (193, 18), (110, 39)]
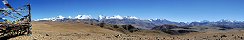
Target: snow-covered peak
[(115, 17), (156, 19), (150, 19), (100, 17), (52, 19), (90, 17), (83, 17), (224, 20), (60, 17), (70, 17), (78, 16), (131, 17)]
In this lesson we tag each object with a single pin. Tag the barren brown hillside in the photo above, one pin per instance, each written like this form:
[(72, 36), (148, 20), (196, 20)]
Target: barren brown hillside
[(80, 31)]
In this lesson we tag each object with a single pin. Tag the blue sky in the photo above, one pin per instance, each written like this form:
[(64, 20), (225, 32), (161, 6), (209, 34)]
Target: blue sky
[(174, 10)]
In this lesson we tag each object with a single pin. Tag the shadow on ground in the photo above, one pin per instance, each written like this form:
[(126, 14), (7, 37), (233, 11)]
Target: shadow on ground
[(8, 37)]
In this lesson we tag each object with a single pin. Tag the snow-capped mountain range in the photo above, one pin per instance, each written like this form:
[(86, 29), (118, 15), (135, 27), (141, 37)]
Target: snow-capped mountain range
[(140, 23), (117, 19), (100, 17)]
